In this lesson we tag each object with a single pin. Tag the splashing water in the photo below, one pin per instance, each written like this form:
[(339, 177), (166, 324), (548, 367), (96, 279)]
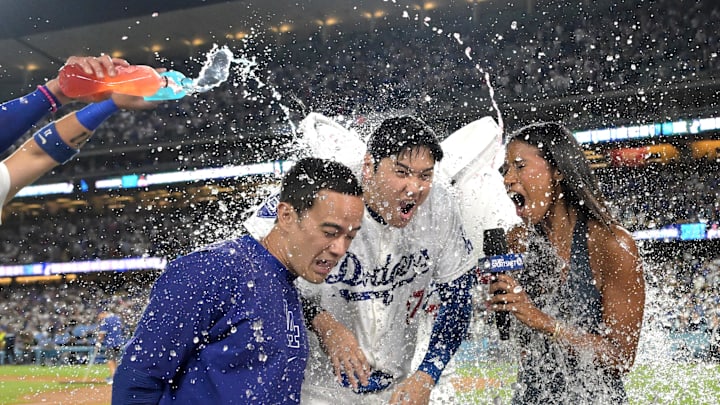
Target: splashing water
[(654, 349), (220, 66), (667, 369), (216, 69), (468, 54)]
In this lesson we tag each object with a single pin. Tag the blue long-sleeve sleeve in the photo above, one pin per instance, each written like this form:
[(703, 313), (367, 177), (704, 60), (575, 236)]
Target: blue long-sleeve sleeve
[(185, 302), (450, 326), (19, 115), (170, 323), (134, 387)]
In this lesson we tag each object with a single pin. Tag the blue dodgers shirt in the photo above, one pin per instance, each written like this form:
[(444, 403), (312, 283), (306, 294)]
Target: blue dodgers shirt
[(112, 327), (223, 326)]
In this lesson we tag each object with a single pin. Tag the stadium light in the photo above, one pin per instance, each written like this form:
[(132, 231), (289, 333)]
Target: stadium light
[(649, 130)]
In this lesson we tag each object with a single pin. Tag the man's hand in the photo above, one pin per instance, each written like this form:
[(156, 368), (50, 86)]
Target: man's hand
[(126, 102), (99, 66), (415, 390), (343, 349)]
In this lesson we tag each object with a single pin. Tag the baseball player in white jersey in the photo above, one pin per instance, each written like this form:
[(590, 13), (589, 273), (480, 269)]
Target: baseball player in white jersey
[(365, 315)]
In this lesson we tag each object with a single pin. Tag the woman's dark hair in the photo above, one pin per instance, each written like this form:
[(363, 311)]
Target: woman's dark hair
[(309, 176), (560, 148)]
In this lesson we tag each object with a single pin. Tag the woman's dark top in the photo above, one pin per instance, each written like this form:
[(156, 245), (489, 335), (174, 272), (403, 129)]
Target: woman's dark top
[(548, 373)]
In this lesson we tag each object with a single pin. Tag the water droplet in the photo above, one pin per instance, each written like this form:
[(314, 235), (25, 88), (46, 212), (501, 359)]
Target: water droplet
[(457, 38)]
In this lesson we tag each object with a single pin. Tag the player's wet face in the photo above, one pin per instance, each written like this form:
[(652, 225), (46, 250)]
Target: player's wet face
[(532, 183), (399, 185), (320, 236)]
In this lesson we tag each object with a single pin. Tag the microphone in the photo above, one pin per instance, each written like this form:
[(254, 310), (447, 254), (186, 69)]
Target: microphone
[(497, 260)]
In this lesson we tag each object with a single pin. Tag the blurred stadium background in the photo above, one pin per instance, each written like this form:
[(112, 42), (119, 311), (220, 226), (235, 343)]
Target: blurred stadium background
[(637, 81)]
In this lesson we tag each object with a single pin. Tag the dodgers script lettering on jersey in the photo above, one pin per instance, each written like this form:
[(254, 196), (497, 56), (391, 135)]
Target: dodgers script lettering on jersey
[(379, 281), (379, 287)]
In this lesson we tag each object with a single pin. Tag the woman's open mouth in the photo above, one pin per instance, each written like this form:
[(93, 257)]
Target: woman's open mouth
[(517, 199)]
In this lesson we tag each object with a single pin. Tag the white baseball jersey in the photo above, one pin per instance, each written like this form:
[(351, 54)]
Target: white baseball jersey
[(377, 290), (4, 186)]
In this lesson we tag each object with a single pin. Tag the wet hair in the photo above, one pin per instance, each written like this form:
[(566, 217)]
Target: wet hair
[(400, 134), (559, 147), (304, 181)]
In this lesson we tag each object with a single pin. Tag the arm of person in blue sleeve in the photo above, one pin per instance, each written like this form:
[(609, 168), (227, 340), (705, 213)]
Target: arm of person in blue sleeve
[(448, 331), (134, 387), (19, 115), (450, 326), (174, 325)]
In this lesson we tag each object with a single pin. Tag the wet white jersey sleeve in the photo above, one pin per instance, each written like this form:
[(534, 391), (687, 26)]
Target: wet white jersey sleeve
[(4, 186), (377, 290)]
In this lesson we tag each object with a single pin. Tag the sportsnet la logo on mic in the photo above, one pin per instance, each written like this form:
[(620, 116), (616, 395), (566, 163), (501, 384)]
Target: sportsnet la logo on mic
[(501, 263), (269, 209)]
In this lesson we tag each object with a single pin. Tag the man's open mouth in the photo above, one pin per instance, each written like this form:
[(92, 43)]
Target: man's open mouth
[(406, 206), (326, 264)]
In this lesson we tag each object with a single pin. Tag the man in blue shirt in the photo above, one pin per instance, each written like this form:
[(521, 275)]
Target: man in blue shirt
[(110, 334), (224, 324)]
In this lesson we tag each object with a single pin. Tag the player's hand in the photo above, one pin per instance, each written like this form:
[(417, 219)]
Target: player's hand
[(414, 390), (100, 66), (516, 301), (127, 102), (343, 349)]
